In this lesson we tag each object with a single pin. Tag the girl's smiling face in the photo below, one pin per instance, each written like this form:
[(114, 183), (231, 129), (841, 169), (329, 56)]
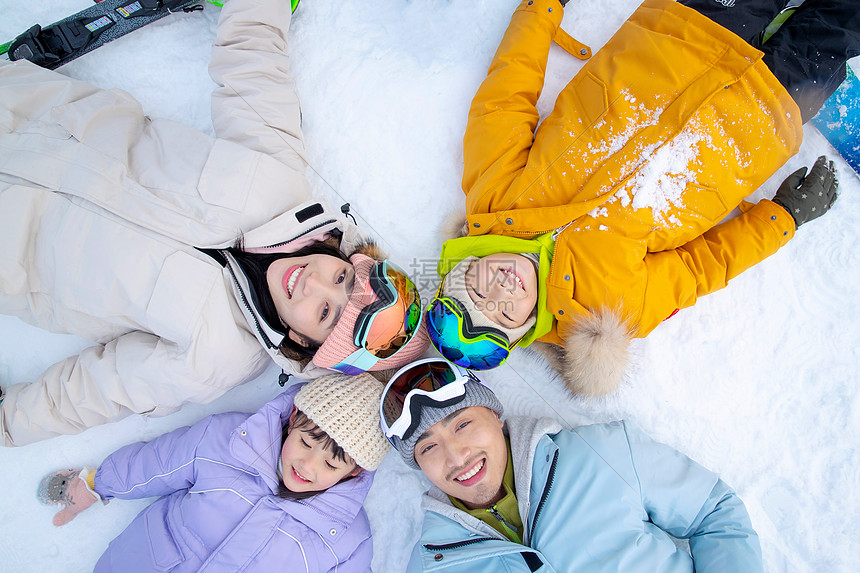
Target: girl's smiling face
[(504, 287), (310, 293), (307, 465)]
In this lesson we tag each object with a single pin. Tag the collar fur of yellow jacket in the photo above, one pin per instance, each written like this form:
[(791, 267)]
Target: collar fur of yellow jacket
[(653, 143)]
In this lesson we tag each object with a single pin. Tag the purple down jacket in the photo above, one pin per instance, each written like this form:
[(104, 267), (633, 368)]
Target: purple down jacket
[(218, 511)]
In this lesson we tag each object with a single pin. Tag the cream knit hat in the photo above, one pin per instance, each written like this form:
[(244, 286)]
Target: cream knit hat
[(347, 409), (455, 287)]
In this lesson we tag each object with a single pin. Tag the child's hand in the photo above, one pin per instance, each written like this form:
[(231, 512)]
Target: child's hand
[(68, 488), (807, 197)]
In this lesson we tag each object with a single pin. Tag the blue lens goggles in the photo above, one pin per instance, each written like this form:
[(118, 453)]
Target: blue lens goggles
[(461, 342)]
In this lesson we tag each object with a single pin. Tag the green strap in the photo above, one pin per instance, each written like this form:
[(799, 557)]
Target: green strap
[(776, 24)]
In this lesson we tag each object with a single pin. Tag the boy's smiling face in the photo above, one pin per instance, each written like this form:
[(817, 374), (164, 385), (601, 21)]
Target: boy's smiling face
[(465, 455), (504, 287), (307, 465)]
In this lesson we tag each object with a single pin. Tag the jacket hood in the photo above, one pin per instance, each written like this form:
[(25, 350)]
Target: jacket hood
[(595, 354), (260, 449), (307, 223), (455, 250)]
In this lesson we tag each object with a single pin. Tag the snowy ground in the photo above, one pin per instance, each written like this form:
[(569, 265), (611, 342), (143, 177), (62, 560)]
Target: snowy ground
[(758, 382)]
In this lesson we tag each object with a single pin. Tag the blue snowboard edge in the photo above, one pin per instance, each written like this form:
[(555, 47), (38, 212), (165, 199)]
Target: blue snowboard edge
[(838, 120)]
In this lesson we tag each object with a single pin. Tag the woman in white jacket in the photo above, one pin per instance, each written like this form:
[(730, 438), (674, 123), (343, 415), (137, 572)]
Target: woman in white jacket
[(190, 259)]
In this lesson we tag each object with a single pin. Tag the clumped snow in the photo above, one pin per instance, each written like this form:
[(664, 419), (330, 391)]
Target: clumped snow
[(758, 381)]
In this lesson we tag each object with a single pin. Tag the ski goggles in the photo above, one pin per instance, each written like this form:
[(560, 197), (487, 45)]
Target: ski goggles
[(386, 325), (457, 339), (428, 382)]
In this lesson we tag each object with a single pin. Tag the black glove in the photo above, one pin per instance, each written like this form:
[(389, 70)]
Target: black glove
[(807, 197)]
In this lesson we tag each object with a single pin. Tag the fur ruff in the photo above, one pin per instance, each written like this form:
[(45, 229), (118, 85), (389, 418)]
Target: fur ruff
[(369, 248), (595, 353), (454, 226)]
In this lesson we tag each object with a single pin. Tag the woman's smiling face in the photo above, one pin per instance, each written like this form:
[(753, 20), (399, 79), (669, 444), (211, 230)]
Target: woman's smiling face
[(310, 293), (504, 287)]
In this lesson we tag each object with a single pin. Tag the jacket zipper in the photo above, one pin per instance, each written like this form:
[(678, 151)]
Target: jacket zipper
[(458, 544), (546, 490), (509, 526), (558, 231), (299, 236), (249, 308)]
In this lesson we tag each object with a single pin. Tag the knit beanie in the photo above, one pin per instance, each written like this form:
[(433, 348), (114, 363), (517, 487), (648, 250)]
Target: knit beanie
[(339, 344), (476, 395), (347, 409), (455, 287)]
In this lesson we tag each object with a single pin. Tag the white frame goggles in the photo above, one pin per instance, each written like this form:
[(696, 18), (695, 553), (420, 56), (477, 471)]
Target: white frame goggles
[(446, 392)]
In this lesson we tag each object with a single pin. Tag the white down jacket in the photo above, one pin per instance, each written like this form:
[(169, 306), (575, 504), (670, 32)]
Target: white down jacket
[(101, 211)]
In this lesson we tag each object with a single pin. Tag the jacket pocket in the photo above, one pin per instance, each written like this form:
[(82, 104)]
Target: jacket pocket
[(706, 203), (592, 96), (228, 175), (180, 292), (163, 548), (109, 121)]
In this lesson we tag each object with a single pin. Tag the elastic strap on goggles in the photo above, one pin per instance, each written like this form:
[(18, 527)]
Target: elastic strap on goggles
[(428, 382), (452, 333)]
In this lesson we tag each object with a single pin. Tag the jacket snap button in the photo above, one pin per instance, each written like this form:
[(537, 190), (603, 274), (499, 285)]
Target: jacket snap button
[(561, 312), (530, 2), (567, 277), (583, 51), (784, 233), (476, 225), (333, 532), (773, 217), (438, 557), (244, 433), (550, 9), (509, 221)]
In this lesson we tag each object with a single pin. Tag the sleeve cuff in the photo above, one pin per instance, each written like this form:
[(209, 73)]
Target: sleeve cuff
[(778, 218)]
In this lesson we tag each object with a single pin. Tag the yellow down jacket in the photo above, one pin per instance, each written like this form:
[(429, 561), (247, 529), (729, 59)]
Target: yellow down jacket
[(656, 139)]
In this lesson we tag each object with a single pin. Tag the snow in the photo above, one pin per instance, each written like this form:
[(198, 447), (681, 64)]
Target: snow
[(758, 382)]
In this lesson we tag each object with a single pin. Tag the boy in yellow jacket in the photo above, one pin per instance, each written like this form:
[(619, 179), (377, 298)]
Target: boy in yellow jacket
[(603, 222)]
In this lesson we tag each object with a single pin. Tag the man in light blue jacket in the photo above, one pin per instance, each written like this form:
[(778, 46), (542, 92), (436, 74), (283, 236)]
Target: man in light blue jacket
[(527, 495)]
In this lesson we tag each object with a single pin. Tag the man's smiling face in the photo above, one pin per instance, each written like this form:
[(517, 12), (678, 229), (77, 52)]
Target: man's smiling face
[(465, 455)]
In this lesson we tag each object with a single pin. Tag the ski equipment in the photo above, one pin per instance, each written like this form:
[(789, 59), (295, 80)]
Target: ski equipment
[(72, 37), (388, 322), (455, 336), (838, 120), (431, 381)]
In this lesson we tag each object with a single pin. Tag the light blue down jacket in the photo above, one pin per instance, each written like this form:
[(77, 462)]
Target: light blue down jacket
[(219, 513), (597, 498)]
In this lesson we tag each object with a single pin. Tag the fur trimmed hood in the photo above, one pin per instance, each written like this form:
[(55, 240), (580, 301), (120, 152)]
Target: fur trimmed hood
[(454, 226), (595, 353), (369, 248)]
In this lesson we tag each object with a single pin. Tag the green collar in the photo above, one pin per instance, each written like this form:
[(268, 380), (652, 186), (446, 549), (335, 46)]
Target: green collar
[(504, 515), (455, 250)]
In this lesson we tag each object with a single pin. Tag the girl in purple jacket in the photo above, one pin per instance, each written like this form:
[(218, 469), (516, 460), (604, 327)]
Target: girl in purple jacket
[(280, 488)]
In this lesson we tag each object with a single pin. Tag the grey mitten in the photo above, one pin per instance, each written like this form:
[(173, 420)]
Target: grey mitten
[(807, 197)]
